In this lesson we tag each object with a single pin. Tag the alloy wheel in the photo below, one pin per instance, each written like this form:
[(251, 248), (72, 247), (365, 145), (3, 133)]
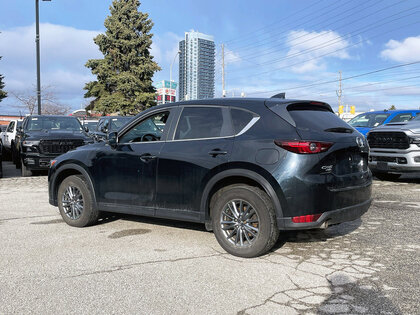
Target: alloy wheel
[(240, 223), (72, 201)]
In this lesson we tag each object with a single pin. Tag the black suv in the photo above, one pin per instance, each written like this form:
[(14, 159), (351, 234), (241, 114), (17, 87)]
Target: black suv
[(247, 168), (107, 125), (42, 138)]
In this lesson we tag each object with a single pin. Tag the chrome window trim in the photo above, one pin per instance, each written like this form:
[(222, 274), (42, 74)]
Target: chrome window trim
[(245, 129)]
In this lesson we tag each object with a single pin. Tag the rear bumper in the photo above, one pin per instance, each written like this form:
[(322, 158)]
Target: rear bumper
[(327, 218)]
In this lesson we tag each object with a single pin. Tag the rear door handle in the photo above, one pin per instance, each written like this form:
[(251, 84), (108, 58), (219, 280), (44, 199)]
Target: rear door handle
[(217, 152), (147, 157)]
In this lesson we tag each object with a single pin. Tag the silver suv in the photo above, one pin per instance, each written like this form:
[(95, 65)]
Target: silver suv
[(395, 149)]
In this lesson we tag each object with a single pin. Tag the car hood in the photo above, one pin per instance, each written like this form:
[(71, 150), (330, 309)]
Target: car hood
[(413, 126), (56, 134)]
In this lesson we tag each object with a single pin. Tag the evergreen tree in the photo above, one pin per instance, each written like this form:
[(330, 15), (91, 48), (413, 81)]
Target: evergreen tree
[(124, 75), (3, 93)]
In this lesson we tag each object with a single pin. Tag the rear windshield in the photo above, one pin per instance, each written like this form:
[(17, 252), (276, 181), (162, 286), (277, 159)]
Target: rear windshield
[(319, 120)]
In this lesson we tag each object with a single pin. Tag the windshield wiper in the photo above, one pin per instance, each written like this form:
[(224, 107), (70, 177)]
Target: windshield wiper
[(339, 129)]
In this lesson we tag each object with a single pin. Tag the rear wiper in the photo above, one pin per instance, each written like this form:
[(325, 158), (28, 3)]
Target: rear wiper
[(339, 129)]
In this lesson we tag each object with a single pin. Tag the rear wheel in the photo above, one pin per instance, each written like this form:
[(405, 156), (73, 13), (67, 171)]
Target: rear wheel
[(75, 202), (244, 220), (386, 176)]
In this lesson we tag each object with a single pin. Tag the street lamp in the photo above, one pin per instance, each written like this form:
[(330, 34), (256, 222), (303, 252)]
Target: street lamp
[(170, 69), (38, 63)]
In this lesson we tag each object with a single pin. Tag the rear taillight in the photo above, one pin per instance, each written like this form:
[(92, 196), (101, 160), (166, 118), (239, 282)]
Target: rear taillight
[(306, 218), (304, 147)]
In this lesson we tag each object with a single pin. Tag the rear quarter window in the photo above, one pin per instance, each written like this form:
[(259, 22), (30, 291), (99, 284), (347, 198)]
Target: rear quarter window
[(240, 118)]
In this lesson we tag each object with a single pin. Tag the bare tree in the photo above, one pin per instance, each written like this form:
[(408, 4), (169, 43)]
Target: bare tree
[(49, 103)]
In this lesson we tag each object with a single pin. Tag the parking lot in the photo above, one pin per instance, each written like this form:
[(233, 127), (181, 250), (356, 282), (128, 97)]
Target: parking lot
[(128, 264)]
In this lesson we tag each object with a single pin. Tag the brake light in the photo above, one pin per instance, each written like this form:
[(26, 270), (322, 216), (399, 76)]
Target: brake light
[(306, 218), (304, 147)]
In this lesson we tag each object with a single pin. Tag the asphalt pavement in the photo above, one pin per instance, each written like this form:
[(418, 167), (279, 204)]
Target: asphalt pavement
[(129, 264)]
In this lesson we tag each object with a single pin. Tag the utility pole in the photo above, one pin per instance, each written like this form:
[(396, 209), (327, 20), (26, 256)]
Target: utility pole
[(38, 63), (339, 92), (223, 71)]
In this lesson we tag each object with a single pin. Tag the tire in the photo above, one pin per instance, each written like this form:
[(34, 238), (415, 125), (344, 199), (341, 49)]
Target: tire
[(25, 172), (386, 176), (263, 235), (78, 217), (18, 161)]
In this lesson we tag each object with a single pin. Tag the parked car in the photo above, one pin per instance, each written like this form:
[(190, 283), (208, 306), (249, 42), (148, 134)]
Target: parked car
[(367, 121), (247, 168), (109, 124), (90, 124), (7, 138), (395, 149), (42, 138)]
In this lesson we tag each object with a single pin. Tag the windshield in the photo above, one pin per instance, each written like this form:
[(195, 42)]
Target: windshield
[(53, 123), (118, 122), (369, 120), (90, 124)]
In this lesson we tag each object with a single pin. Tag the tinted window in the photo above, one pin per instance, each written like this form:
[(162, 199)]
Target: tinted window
[(369, 120), (117, 123), (10, 128), (150, 129), (402, 117), (240, 118), (317, 119), (202, 122), (53, 123)]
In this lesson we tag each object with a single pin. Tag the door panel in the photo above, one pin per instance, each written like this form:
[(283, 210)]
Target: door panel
[(184, 168), (125, 177)]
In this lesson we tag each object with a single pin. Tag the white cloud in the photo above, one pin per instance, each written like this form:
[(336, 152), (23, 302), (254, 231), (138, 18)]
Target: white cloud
[(64, 52), (406, 51), (312, 48)]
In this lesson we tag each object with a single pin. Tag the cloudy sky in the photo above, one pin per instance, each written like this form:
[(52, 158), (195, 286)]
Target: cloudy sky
[(297, 47)]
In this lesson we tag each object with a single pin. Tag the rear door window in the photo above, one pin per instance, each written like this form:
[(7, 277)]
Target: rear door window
[(202, 123), (402, 117)]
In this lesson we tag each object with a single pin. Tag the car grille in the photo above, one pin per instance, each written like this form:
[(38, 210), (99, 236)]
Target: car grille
[(388, 140), (59, 146)]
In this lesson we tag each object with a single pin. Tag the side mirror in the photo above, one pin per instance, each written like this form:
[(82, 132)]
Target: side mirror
[(86, 128), (19, 129), (113, 139), (104, 129)]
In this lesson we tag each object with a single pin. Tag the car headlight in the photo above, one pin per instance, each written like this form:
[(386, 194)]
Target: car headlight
[(28, 143)]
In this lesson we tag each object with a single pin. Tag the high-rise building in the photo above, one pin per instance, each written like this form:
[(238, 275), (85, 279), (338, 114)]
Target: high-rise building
[(165, 92), (196, 66)]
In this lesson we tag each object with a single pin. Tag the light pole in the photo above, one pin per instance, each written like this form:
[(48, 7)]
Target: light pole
[(170, 70), (38, 62)]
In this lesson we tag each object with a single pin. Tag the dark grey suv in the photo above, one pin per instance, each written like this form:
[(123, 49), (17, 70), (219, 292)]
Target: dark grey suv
[(247, 168)]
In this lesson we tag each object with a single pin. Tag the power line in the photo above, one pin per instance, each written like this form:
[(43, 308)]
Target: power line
[(343, 79), (332, 52)]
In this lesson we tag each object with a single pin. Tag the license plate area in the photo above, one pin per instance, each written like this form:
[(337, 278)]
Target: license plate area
[(382, 166)]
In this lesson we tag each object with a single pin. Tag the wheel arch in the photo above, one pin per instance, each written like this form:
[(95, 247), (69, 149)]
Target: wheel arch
[(65, 171), (237, 176)]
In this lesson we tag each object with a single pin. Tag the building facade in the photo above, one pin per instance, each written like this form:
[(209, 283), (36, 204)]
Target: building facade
[(196, 66), (165, 92)]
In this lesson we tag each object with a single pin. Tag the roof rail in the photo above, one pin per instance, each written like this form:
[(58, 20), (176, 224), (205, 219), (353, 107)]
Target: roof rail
[(280, 95)]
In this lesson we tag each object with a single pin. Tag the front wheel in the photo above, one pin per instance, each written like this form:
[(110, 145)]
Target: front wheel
[(244, 220), (75, 202), (386, 176)]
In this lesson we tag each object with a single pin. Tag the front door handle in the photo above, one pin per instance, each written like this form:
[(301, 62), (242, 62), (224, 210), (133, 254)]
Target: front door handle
[(217, 152), (147, 157)]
